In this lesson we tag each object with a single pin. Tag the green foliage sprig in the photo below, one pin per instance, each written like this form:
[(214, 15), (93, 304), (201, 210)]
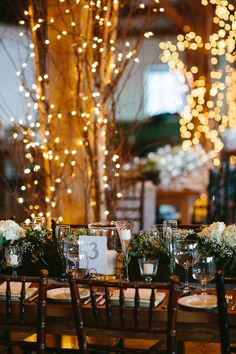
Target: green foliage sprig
[(146, 244), (34, 244)]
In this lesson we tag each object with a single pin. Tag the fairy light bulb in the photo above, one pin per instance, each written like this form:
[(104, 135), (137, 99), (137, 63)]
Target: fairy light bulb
[(216, 45), (91, 112)]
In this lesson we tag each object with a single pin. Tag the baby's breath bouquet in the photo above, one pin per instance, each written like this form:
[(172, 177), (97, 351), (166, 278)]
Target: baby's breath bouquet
[(32, 241), (37, 241), (219, 240), (146, 244)]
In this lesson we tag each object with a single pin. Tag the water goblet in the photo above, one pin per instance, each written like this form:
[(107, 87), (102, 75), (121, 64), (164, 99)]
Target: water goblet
[(125, 230), (14, 257), (71, 252), (148, 268), (62, 233), (203, 271), (168, 227), (185, 253), (82, 265)]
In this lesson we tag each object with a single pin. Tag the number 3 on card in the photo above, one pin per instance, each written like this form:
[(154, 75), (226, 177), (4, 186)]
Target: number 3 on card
[(96, 247)]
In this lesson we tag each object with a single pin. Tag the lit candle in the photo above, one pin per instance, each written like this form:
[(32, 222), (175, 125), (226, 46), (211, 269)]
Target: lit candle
[(13, 259), (125, 235), (111, 262), (147, 268)]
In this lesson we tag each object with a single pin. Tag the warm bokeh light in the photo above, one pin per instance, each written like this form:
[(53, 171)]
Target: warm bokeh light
[(49, 153), (211, 102)]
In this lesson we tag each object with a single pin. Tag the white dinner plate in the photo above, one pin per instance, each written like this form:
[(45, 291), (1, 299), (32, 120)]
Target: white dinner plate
[(199, 301), (63, 294)]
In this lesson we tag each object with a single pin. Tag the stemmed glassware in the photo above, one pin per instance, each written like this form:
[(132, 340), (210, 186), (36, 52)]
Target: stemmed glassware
[(185, 253), (125, 230), (82, 266), (76, 259), (62, 233), (14, 257), (204, 271), (168, 227), (71, 253)]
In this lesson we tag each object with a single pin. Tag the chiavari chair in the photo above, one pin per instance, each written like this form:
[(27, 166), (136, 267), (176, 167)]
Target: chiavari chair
[(140, 327), (18, 317), (225, 326)]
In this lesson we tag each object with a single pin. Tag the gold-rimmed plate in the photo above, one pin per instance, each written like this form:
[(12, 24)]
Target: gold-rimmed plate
[(202, 301), (63, 294)]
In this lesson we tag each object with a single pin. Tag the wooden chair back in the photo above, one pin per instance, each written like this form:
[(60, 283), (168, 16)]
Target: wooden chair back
[(224, 323), (123, 321), (16, 312)]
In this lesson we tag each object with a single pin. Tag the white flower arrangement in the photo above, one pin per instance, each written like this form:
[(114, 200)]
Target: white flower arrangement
[(10, 231), (220, 239), (30, 240)]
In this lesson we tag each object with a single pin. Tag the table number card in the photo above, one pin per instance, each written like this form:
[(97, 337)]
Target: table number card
[(96, 247)]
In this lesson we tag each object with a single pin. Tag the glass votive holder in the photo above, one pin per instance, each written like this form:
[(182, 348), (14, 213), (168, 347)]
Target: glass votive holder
[(13, 254), (148, 268)]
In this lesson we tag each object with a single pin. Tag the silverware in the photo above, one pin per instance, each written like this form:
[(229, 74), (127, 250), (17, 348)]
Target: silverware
[(87, 301), (33, 297), (102, 302), (98, 299)]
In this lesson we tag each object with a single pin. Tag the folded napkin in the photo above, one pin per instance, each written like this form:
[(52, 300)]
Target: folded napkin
[(144, 295), (16, 289)]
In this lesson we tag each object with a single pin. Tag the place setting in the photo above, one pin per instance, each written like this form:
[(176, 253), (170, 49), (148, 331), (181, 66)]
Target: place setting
[(203, 271), (183, 251), (62, 294), (31, 293)]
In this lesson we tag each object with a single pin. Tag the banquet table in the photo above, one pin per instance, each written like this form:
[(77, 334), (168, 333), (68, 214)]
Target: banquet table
[(192, 324)]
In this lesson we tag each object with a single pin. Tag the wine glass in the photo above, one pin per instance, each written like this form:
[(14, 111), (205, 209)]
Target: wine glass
[(148, 268), (62, 233), (168, 227), (82, 265), (14, 257), (185, 254), (204, 271), (125, 230), (71, 253)]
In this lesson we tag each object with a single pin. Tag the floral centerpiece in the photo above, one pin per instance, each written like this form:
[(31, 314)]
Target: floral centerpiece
[(219, 240), (152, 244), (146, 244), (30, 240), (10, 232)]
